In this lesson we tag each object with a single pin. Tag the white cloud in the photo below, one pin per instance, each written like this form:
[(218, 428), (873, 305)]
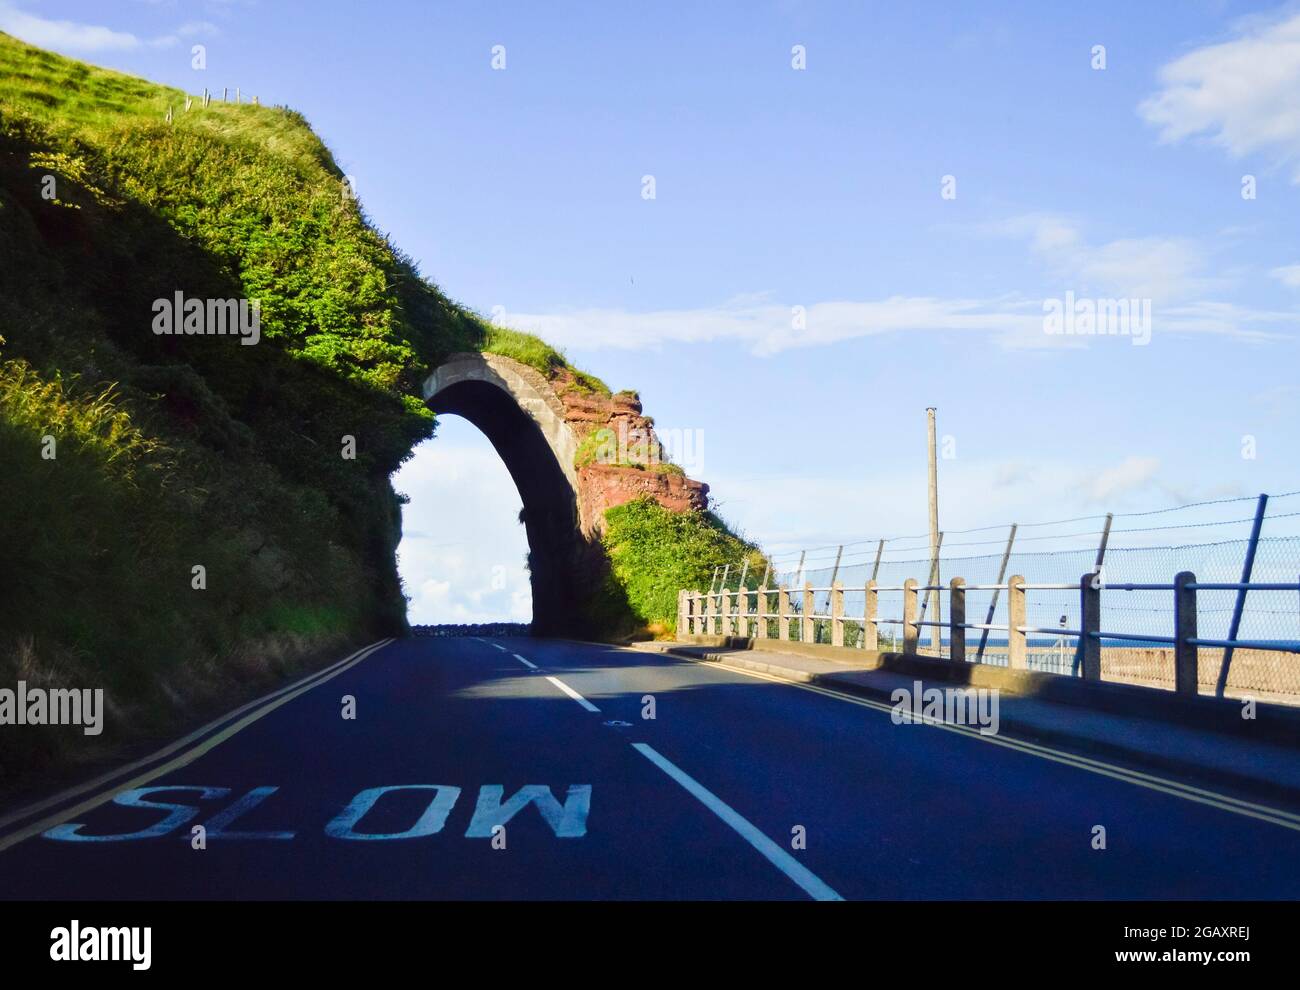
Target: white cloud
[(770, 326), (1243, 94), (1133, 473), (1170, 271), (1165, 269), (1122, 270), (802, 511), (1156, 268), (462, 555), (1046, 232), (1228, 319), (73, 36), (1288, 275), (64, 35), (197, 29)]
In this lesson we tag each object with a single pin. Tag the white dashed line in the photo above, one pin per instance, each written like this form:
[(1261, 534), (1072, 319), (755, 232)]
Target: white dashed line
[(529, 664), (573, 694), (778, 857)]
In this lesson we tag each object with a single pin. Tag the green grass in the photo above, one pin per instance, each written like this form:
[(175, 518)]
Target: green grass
[(654, 552), (537, 354), (174, 451), (601, 446)]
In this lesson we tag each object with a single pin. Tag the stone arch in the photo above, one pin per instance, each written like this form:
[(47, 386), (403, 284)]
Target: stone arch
[(517, 410), (537, 429)]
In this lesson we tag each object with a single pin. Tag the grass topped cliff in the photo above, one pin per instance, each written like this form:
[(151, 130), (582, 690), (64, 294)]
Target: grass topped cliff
[(180, 522)]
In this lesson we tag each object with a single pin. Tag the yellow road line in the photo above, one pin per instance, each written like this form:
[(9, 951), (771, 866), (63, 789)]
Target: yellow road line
[(185, 759), (102, 779), (1188, 792)]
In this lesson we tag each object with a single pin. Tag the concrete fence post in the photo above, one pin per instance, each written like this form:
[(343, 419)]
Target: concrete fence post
[(710, 609), (760, 614), (726, 612), (909, 617), (1017, 642), (870, 631), (808, 629), (957, 620), (1089, 626), (1185, 651), (783, 612), (837, 614), (682, 611)]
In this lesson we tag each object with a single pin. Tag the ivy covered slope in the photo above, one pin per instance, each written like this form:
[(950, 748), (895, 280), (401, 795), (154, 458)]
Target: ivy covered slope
[(171, 452), (130, 458), (654, 552)]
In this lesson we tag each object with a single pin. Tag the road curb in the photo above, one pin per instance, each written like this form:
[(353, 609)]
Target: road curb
[(1032, 733)]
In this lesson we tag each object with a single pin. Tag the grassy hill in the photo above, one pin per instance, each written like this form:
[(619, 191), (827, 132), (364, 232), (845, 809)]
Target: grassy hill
[(131, 458)]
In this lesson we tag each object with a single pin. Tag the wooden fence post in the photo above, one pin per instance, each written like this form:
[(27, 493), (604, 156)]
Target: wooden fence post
[(957, 620), (1017, 643), (837, 614), (870, 631), (909, 617)]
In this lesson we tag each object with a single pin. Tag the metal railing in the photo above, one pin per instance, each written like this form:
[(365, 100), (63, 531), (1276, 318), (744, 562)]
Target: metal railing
[(729, 613)]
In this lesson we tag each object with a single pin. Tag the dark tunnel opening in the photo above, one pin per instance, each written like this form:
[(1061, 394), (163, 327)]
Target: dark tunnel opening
[(560, 559)]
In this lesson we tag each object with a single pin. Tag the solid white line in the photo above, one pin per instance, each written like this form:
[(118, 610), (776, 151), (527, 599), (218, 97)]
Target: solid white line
[(530, 665), (812, 885), (573, 694)]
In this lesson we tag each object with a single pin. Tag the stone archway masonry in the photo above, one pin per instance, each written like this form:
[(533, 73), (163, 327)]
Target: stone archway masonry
[(538, 425)]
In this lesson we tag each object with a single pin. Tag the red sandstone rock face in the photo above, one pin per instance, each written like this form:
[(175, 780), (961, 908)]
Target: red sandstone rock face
[(629, 465), (605, 486)]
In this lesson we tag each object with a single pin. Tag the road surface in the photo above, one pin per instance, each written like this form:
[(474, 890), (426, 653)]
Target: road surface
[(527, 769)]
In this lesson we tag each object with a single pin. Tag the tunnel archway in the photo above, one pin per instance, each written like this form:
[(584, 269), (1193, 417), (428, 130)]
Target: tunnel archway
[(516, 409)]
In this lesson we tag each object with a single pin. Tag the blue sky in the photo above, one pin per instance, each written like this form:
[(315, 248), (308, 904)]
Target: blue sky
[(818, 188)]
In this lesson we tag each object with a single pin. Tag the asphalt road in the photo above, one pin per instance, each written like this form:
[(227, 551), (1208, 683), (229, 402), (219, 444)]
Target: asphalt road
[(708, 799)]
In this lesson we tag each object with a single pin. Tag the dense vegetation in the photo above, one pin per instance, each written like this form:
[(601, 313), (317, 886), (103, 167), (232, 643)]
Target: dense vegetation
[(655, 552), (131, 458)]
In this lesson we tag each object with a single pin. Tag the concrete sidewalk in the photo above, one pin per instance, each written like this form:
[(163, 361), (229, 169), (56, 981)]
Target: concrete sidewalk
[(1256, 769)]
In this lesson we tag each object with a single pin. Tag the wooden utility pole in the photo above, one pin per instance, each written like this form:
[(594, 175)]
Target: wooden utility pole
[(936, 633)]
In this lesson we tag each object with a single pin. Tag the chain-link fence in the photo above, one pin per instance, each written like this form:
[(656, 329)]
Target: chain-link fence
[(1136, 623)]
